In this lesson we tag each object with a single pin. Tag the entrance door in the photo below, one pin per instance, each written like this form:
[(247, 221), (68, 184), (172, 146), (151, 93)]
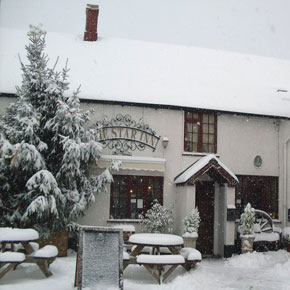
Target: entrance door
[(205, 204)]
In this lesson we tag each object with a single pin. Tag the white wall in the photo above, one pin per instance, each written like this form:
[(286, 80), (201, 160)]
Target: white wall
[(185, 202), (240, 139)]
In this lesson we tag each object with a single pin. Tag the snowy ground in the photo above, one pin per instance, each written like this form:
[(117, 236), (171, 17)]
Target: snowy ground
[(267, 271)]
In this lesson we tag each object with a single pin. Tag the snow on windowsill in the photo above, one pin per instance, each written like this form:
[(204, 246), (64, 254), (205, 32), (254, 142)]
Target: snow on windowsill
[(185, 153), (123, 220)]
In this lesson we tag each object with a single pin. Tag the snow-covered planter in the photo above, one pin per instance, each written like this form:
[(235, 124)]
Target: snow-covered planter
[(190, 229), (158, 219), (246, 229), (286, 238)]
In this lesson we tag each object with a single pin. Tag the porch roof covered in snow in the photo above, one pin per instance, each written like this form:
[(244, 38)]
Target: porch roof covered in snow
[(210, 165)]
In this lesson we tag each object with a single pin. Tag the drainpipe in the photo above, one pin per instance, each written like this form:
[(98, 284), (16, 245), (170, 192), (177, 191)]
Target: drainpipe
[(285, 182)]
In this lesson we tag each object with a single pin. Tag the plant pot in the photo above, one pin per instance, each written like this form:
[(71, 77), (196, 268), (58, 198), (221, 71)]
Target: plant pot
[(58, 239), (190, 242), (247, 243)]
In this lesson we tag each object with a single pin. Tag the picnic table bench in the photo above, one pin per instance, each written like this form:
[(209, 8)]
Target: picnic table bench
[(155, 265), (19, 246)]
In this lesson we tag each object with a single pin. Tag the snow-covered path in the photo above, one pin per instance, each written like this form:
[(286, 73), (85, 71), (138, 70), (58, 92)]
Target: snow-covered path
[(256, 271)]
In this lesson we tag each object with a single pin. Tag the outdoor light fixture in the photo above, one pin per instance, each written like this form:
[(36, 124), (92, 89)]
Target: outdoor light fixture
[(165, 142)]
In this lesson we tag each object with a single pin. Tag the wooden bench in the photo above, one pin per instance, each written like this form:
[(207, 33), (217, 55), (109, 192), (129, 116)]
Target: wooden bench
[(9, 260), (43, 258), (191, 256), (267, 236), (155, 264)]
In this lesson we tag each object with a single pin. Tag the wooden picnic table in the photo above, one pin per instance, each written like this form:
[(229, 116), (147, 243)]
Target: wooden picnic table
[(154, 262), (19, 246)]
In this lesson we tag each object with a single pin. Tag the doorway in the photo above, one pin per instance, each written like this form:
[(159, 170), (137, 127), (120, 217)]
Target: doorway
[(205, 205)]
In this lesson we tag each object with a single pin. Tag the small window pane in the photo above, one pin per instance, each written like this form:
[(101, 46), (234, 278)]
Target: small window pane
[(211, 119), (205, 129), (205, 118), (210, 148), (211, 139), (195, 138), (189, 115), (205, 138), (205, 148), (189, 127), (211, 129)]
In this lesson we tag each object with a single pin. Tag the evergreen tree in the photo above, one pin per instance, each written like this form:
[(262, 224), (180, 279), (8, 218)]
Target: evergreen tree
[(191, 222), (45, 150), (158, 219), (247, 221)]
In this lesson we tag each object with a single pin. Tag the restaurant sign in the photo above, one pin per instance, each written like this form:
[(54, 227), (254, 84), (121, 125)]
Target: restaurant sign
[(122, 134)]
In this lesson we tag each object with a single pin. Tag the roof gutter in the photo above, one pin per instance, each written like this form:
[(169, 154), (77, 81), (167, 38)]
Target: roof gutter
[(161, 106)]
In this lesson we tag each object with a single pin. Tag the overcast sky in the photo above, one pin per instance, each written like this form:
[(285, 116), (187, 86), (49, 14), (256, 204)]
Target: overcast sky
[(250, 26)]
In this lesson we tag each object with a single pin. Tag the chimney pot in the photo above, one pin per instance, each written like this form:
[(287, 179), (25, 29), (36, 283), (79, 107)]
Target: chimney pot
[(92, 12)]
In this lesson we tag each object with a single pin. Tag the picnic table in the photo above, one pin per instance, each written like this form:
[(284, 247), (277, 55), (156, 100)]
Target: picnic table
[(164, 250), (20, 246)]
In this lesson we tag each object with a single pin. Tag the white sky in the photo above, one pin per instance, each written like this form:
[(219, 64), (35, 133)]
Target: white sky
[(249, 26)]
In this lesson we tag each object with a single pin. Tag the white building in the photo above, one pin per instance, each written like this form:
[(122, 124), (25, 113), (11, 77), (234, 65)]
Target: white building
[(225, 117)]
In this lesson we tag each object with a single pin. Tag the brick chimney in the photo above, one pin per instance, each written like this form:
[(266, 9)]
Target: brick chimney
[(92, 12)]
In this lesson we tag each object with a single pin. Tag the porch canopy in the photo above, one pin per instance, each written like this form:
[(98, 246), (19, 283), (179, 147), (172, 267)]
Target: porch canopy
[(209, 165), (134, 162)]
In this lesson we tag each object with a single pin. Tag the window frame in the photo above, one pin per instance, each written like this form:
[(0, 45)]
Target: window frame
[(201, 126), (129, 185)]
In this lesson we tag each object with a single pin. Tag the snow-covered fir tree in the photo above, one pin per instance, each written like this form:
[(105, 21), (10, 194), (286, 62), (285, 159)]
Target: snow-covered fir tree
[(247, 221), (158, 219), (45, 150), (191, 223)]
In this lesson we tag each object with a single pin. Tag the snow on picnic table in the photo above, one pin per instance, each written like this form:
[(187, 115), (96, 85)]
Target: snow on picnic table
[(9, 234), (156, 239), (257, 271)]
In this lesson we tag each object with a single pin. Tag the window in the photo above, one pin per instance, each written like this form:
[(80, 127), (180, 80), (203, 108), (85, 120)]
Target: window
[(133, 195), (260, 191), (200, 132)]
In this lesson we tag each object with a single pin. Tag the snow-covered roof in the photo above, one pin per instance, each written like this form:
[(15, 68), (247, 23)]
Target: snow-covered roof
[(160, 74), (200, 164)]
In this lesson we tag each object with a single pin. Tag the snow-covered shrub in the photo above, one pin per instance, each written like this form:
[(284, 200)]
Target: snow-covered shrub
[(45, 149), (158, 219), (191, 224), (286, 236), (247, 221)]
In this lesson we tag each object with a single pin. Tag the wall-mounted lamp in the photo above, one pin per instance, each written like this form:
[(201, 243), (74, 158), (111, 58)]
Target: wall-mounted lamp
[(165, 142)]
